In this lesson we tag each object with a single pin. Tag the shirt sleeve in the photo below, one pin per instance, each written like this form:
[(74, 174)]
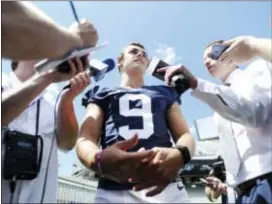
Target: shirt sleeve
[(249, 105), (176, 97), (171, 94), (5, 82), (96, 95)]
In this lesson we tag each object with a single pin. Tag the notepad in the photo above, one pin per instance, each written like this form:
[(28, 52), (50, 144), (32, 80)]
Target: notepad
[(47, 64)]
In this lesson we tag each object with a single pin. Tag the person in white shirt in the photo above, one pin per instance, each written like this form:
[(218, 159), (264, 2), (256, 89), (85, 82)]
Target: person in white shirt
[(27, 89), (243, 113)]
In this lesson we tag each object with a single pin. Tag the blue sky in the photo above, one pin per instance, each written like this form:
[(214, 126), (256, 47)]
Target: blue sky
[(180, 29)]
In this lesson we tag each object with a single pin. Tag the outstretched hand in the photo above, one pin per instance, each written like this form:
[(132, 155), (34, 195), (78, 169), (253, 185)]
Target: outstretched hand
[(119, 165), (158, 171), (171, 71)]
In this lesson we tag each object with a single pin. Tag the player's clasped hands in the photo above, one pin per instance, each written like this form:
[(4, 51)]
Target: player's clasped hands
[(146, 168), (157, 171), (119, 165)]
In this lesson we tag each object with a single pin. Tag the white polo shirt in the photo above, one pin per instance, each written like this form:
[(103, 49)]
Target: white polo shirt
[(244, 120), (31, 191)]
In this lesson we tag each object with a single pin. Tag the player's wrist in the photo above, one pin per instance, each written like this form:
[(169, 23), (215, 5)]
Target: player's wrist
[(184, 153), (178, 157), (69, 96), (97, 164)]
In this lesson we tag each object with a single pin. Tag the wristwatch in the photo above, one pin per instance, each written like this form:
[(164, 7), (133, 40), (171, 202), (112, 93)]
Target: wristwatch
[(184, 151)]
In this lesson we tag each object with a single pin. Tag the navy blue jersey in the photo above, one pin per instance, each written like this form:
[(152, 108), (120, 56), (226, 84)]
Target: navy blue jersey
[(129, 111)]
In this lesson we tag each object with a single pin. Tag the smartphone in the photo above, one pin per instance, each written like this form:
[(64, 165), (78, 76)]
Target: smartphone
[(217, 50), (154, 65)]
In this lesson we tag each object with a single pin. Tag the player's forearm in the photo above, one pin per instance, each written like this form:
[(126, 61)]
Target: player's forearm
[(263, 48), (28, 33), (67, 125), (187, 140), (86, 152), (15, 101)]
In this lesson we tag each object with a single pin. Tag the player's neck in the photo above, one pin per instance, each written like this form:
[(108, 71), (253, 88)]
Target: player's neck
[(132, 82)]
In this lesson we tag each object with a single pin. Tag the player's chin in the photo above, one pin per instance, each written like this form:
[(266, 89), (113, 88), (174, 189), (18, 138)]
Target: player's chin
[(137, 68)]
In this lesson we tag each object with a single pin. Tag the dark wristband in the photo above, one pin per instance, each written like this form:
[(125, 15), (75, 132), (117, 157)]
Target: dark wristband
[(185, 153), (98, 157)]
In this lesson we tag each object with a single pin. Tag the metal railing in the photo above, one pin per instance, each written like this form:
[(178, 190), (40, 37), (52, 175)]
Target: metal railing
[(75, 191)]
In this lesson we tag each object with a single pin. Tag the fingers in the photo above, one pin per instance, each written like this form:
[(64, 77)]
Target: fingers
[(79, 65), (84, 76), (157, 157), (146, 173), (163, 69), (138, 156), (158, 189), (73, 69), (173, 71), (143, 186), (170, 71), (221, 188), (227, 56), (80, 81), (224, 56), (128, 144), (229, 42), (85, 61), (210, 179), (76, 66), (145, 160)]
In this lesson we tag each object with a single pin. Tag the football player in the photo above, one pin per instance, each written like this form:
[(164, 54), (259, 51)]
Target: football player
[(139, 119)]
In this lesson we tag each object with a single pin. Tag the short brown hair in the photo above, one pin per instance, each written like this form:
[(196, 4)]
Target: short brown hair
[(120, 57), (14, 65), (214, 42)]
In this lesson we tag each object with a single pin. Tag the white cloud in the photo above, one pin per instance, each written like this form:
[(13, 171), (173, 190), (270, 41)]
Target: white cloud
[(166, 53)]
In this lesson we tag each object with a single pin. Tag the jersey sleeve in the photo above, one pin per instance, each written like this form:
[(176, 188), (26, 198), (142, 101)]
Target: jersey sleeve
[(171, 94), (175, 96), (96, 95)]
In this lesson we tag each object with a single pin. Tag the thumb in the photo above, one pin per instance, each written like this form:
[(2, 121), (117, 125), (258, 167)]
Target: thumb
[(141, 150), (84, 20), (229, 42), (128, 144), (163, 69)]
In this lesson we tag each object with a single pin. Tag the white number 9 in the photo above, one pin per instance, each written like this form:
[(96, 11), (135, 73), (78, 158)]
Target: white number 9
[(145, 112)]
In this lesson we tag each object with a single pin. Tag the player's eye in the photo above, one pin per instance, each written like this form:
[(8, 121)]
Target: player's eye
[(134, 51)]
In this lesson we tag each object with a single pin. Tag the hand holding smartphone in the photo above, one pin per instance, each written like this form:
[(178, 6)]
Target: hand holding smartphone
[(217, 50), (203, 181)]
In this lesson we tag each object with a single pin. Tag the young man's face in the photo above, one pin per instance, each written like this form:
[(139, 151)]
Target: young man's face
[(214, 67), (134, 59)]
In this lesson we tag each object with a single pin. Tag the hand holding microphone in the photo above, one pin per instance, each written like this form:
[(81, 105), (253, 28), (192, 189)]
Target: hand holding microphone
[(177, 76), (72, 67), (96, 69)]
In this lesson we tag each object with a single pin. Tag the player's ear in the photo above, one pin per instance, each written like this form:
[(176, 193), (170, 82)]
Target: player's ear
[(120, 62)]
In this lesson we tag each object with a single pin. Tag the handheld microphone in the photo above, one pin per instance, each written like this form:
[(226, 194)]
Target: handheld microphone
[(178, 81), (98, 69)]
